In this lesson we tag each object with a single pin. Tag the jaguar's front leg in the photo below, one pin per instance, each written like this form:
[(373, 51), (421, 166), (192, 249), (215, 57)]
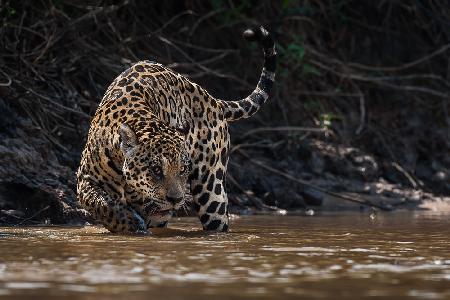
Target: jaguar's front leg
[(114, 215)]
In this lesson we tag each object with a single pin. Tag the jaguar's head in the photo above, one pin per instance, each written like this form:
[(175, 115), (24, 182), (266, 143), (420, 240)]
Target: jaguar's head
[(155, 168)]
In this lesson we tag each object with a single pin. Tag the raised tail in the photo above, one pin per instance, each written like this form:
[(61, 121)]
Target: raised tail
[(244, 108)]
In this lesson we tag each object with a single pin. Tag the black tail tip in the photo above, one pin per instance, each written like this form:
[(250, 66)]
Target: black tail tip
[(255, 34), (249, 35)]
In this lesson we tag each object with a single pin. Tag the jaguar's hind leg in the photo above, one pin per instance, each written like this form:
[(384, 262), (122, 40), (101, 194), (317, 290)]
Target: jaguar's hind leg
[(210, 200), (208, 189)]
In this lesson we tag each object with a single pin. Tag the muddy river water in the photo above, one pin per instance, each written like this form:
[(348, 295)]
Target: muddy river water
[(333, 256)]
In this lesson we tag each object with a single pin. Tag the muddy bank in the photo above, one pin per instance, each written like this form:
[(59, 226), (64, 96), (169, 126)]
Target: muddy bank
[(324, 175), (36, 183)]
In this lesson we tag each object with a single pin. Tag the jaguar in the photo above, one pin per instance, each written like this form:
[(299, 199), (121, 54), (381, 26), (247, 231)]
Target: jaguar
[(154, 134)]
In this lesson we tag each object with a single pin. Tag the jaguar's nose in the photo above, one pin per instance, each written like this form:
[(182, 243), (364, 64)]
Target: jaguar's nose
[(174, 200)]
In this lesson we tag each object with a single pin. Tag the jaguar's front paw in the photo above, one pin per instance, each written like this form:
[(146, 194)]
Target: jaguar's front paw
[(133, 222), (138, 225), (123, 219)]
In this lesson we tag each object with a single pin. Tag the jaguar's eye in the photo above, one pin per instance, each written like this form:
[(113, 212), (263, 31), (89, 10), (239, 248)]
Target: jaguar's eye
[(157, 171), (184, 169)]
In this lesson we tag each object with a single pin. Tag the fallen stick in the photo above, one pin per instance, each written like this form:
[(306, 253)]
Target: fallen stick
[(34, 215), (256, 200)]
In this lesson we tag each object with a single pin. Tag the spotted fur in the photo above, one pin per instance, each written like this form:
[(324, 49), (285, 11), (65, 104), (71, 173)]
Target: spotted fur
[(153, 132)]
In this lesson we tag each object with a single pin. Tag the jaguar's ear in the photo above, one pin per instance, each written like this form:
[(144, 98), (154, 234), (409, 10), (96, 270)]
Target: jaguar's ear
[(128, 139), (183, 129)]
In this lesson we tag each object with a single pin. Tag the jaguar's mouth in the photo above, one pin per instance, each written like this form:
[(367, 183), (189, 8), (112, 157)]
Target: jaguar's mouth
[(151, 208), (162, 213)]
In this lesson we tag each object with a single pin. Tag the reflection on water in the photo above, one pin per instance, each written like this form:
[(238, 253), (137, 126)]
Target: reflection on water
[(397, 255)]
